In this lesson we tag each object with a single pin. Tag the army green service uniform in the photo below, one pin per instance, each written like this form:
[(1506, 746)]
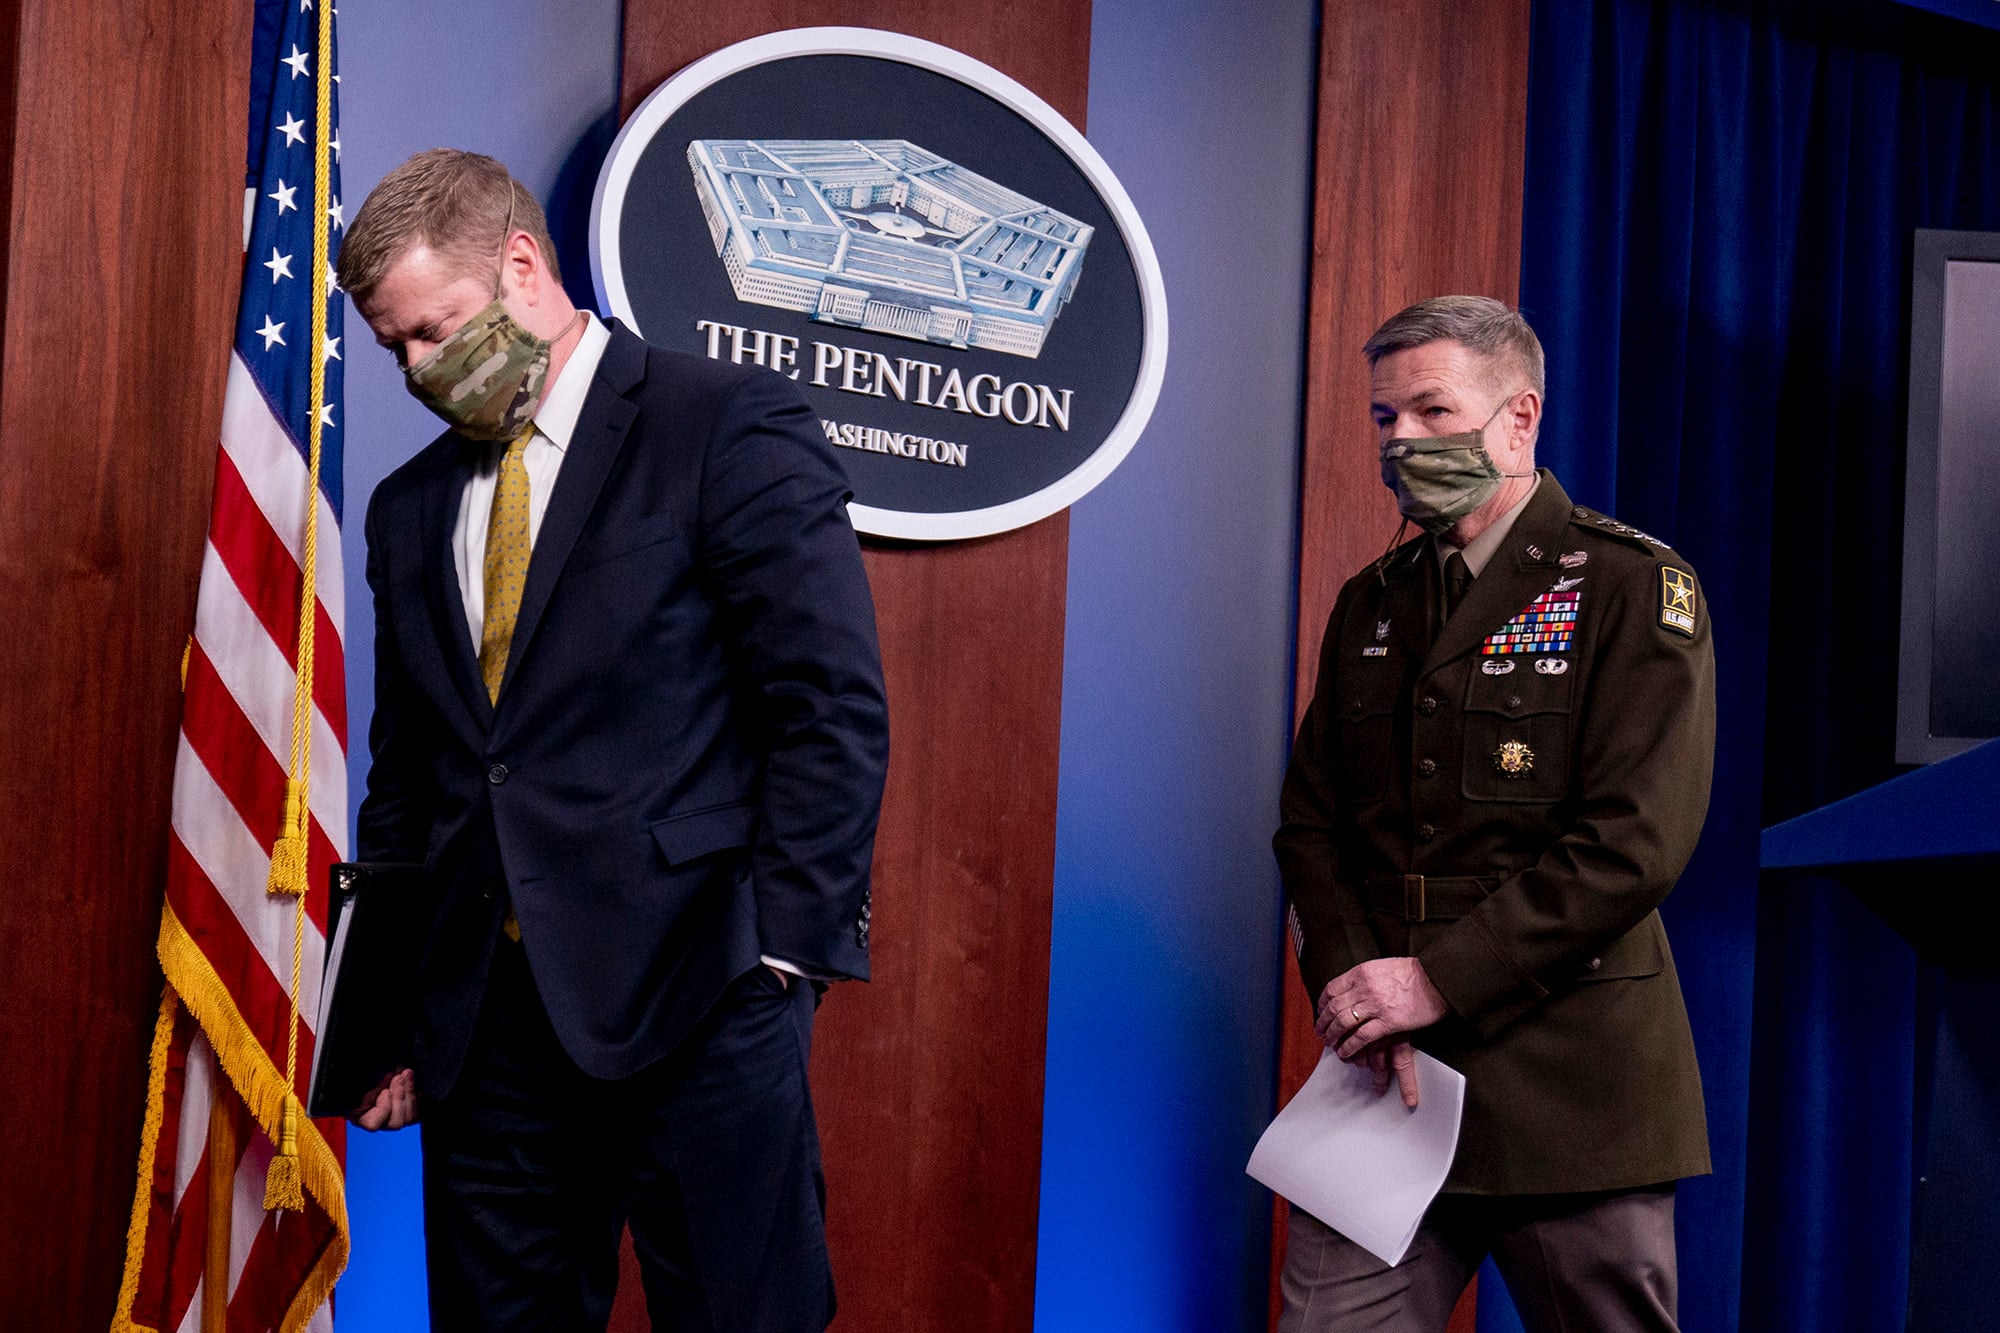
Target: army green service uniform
[(1508, 798)]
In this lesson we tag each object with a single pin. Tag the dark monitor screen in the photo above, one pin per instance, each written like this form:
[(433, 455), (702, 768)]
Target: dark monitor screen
[(1950, 678)]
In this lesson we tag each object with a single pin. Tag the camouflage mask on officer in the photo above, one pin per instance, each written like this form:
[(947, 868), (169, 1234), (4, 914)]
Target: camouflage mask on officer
[(1439, 479), (486, 379)]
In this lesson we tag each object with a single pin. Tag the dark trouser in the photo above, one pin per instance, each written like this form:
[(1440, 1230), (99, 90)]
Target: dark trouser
[(532, 1170), (1574, 1263)]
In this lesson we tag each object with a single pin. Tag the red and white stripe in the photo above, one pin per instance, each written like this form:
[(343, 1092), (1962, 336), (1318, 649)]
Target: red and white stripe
[(228, 803)]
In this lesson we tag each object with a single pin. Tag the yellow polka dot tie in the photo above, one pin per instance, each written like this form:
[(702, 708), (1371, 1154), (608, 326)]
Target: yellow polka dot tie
[(507, 551)]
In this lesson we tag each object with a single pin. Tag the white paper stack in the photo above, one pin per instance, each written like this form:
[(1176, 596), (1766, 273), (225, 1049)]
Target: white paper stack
[(1361, 1161)]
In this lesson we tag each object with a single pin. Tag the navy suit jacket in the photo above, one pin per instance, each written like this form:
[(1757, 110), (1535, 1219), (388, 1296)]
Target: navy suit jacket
[(685, 765)]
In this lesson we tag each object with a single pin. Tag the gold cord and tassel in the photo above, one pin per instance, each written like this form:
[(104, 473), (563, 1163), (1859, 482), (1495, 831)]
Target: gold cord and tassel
[(282, 1188), (289, 860)]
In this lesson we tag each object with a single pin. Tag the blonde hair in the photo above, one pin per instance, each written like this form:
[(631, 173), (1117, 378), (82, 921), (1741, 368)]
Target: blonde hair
[(459, 204)]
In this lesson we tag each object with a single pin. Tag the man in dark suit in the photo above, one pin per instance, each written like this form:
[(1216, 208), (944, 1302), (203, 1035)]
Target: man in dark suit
[(1503, 770), (629, 714)]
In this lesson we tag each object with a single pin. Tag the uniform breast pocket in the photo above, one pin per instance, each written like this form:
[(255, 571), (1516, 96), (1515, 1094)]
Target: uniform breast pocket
[(1367, 736), (1517, 733)]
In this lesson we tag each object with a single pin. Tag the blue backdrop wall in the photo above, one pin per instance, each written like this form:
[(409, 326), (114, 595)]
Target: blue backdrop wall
[(1178, 652), (1163, 989)]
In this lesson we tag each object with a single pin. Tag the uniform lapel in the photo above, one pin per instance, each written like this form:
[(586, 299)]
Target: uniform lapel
[(1512, 578), (601, 428), (1408, 588), (444, 491)]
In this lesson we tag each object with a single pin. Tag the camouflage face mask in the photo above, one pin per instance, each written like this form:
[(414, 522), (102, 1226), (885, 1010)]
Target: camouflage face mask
[(485, 380), (1439, 479)]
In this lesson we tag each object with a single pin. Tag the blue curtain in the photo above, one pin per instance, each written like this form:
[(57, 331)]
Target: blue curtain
[(1716, 252)]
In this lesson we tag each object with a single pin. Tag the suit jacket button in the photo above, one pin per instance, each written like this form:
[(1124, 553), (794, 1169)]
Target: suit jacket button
[(497, 774), (1427, 705), (1426, 832), (1427, 766)]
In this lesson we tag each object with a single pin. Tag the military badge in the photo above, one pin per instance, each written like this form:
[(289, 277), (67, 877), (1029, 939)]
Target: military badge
[(1496, 667), (1551, 666), (1564, 585), (1534, 552), (1573, 559), (1381, 630), (1514, 759), (1677, 600), (1545, 625), (1377, 651)]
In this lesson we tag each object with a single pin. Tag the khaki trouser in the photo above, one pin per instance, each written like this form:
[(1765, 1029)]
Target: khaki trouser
[(1574, 1263)]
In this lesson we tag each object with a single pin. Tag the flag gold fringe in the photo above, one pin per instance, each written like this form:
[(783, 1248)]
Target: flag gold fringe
[(149, 1138), (258, 1080)]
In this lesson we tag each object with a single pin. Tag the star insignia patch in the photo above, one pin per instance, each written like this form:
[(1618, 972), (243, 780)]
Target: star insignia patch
[(1677, 600)]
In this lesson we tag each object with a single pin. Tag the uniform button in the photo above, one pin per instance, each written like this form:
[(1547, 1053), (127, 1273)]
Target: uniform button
[(1355, 708), (497, 774), (486, 890), (1513, 701), (1594, 964), (1426, 832), (1427, 766), (1427, 705)]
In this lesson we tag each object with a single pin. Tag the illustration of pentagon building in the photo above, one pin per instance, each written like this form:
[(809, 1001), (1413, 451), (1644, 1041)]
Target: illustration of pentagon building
[(879, 234)]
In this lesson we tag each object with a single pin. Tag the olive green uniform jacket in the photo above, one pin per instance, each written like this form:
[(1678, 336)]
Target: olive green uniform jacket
[(1510, 804)]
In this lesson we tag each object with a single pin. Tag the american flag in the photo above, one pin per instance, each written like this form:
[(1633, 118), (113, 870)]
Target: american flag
[(240, 946)]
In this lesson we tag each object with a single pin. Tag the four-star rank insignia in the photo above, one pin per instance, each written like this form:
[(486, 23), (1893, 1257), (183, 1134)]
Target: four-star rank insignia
[(1677, 600), (1514, 758)]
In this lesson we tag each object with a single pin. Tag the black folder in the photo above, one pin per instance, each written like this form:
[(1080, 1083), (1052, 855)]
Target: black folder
[(378, 918)]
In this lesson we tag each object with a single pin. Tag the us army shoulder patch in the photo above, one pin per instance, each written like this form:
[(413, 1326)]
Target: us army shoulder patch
[(1677, 600)]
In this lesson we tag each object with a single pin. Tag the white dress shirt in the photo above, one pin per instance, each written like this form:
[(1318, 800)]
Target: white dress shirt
[(555, 425)]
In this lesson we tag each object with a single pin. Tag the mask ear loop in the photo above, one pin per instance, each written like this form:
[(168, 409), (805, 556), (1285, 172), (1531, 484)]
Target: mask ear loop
[(1490, 420), (506, 234), (499, 276), (1382, 564)]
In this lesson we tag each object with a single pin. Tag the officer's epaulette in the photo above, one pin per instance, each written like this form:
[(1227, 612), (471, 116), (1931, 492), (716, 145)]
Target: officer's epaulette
[(1611, 527)]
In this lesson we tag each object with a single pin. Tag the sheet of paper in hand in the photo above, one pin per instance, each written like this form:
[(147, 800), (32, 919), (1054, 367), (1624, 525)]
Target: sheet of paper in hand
[(1362, 1162)]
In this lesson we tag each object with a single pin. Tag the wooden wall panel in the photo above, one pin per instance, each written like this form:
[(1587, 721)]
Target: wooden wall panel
[(929, 1079), (1417, 192), (123, 184)]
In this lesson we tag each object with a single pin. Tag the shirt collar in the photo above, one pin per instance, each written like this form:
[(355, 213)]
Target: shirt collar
[(563, 403), (1481, 548)]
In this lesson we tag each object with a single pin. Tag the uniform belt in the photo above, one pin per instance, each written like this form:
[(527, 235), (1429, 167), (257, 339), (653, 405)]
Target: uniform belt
[(1428, 897)]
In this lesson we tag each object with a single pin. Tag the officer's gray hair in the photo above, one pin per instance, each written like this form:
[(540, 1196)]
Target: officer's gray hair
[(1486, 326), (457, 203)]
